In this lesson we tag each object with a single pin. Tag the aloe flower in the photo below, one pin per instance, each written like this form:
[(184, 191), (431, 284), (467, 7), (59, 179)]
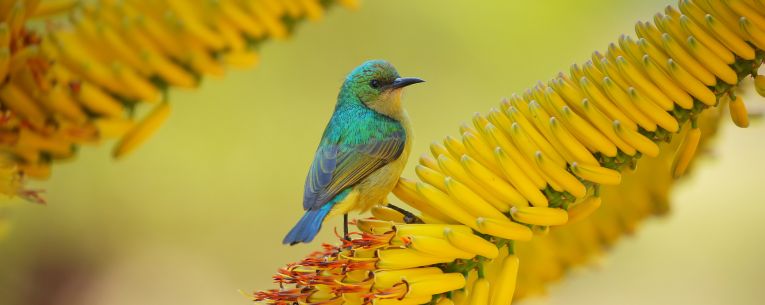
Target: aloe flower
[(77, 77), (527, 176)]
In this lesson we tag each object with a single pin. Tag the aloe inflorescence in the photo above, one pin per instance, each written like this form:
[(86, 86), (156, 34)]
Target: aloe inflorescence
[(554, 174), (75, 72)]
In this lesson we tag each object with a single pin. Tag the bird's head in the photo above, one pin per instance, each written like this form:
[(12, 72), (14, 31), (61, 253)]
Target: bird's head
[(376, 83)]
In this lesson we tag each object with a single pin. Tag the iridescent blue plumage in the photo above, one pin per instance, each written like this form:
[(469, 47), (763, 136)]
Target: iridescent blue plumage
[(358, 140)]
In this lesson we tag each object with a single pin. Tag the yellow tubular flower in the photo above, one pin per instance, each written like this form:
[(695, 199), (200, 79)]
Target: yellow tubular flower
[(502, 189), (738, 112), (430, 176), (438, 247), (88, 70), (480, 292), (540, 216), (504, 286), (759, 85), (142, 130), (685, 152), (471, 243), (387, 213), (583, 209)]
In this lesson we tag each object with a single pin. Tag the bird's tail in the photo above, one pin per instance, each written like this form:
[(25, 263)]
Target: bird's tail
[(308, 226)]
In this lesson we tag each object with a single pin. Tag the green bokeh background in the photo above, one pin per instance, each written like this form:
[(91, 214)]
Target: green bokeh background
[(199, 211)]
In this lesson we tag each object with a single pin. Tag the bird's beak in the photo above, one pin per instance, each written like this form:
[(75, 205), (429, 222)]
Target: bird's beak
[(402, 82)]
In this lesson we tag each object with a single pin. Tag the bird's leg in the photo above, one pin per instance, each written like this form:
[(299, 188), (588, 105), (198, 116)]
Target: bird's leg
[(408, 216), (345, 227)]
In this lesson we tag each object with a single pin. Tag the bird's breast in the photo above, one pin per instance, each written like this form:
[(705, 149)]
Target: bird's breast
[(375, 188)]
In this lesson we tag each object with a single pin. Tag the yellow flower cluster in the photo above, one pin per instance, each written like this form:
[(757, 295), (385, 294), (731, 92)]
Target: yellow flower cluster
[(78, 78), (530, 175), (391, 262)]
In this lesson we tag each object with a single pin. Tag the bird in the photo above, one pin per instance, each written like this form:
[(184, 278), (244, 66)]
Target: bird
[(362, 152)]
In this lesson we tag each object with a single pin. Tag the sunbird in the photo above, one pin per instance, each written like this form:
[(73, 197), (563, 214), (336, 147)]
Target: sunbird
[(362, 152)]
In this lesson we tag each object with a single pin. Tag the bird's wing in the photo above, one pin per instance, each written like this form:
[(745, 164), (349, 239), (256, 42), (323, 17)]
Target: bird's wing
[(337, 166)]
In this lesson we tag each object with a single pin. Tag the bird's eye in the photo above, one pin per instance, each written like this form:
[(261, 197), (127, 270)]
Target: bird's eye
[(374, 83)]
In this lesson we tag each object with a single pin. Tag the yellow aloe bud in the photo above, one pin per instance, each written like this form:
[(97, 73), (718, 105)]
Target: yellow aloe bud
[(388, 278), (406, 190), (526, 146), (501, 189), (142, 130), (685, 152), (644, 84), (591, 71), (478, 148), (730, 39), (527, 167), (603, 124), (429, 162), (738, 112), (623, 101), (452, 168), (430, 176), (461, 297), (754, 33), (503, 229), (637, 140), (442, 202), (706, 38), (540, 216), (479, 294), (503, 286), (22, 103), (711, 61), (540, 140), (672, 89), (59, 100), (690, 83), (430, 284), (95, 100), (745, 10), (596, 173), (472, 202), (385, 213), (453, 146), (652, 111), (437, 247), (561, 176), (570, 143), (609, 68), (467, 241), (582, 210), (586, 133), (603, 103), (407, 258), (759, 84), (433, 230), (519, 179), (112, 127), (437, 150), (374, 226)]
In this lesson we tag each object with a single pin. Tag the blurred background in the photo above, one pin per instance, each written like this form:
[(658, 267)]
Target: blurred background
[(200, 210)]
